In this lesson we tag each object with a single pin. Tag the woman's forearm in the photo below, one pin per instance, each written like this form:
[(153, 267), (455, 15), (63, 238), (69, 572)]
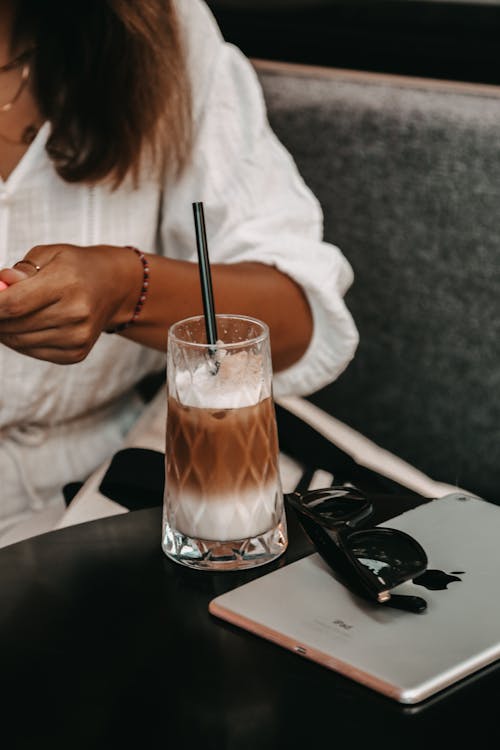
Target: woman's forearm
[(242, 288)]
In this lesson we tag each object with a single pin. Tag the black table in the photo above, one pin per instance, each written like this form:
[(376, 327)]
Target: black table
[(106, 643)]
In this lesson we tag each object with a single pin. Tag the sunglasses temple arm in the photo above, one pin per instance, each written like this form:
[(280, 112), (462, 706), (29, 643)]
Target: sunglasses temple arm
[(407, 603)]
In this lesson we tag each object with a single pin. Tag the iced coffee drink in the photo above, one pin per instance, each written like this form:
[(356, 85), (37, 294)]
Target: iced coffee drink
[(223, 505)]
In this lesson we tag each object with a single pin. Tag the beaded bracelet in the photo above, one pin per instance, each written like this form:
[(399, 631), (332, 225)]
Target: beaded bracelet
[(142, 295)]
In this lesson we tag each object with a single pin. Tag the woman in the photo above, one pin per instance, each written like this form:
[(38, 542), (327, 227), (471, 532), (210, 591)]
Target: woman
[(114, 117)]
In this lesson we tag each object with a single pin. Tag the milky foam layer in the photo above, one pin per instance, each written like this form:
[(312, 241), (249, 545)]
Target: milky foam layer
[(236, 380), (224, 518)]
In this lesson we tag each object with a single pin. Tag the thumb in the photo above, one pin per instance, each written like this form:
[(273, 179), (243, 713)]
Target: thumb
[(12, 276)]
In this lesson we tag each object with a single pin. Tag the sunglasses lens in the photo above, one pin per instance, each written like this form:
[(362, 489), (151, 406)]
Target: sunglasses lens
[(391, 555), (336, 504)]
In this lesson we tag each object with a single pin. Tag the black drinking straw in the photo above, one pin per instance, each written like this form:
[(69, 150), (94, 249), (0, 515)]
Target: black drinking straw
[(205, 275)]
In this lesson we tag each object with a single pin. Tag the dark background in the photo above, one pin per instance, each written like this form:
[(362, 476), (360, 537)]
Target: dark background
[(450, 40), (400, 176)]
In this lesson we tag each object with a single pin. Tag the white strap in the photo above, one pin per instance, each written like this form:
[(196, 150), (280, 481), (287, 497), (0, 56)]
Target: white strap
[(364, 451)]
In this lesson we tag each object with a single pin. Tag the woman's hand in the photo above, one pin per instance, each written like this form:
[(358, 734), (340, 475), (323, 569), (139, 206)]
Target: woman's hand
[(58, 312)]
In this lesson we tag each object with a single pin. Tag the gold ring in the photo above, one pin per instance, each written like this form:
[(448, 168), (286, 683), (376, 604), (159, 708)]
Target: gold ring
[(30, 262)]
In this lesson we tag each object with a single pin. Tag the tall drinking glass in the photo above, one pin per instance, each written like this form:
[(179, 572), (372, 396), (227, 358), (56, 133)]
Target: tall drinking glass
[(223, 503)]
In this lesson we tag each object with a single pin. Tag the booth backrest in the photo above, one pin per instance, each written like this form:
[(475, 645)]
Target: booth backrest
[(408, 175)]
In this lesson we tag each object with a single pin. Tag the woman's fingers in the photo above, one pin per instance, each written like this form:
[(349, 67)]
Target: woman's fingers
[(12, 319), (45, 272), (12, 275), (61, 297), (52, 354), (30, 265), (49, 344), (25, 298), (43, 330), (48, 337), (27, 266), (75, 312)]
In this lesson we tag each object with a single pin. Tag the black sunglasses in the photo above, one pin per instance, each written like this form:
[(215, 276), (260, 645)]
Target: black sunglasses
[(370, 561)]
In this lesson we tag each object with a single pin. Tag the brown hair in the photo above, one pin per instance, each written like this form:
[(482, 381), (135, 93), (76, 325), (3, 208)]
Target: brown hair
[(110, 76)]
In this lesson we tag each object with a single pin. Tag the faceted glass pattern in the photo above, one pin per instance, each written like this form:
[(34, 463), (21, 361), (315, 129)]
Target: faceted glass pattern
[(223, 504)]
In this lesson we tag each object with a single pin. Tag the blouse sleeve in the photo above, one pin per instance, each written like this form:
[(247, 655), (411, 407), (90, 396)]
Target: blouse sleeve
[(257, 207)]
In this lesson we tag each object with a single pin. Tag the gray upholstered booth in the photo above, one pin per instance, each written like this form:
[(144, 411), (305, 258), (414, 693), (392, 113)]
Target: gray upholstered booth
[(408, 175)]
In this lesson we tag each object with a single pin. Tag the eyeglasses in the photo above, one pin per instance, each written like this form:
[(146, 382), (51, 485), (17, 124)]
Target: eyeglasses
[(371, 561)]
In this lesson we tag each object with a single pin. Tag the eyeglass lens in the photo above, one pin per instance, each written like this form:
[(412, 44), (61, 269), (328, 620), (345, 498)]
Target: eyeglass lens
[(335, 505), (391, 555)]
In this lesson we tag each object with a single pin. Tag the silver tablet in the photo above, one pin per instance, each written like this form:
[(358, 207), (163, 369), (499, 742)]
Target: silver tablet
[(403, 655)]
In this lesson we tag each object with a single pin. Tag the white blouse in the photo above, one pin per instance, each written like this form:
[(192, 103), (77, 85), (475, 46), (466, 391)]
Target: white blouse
[(58, 422)]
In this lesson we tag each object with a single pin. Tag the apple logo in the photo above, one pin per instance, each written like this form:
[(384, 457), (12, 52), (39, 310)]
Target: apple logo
[(437, 580)]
